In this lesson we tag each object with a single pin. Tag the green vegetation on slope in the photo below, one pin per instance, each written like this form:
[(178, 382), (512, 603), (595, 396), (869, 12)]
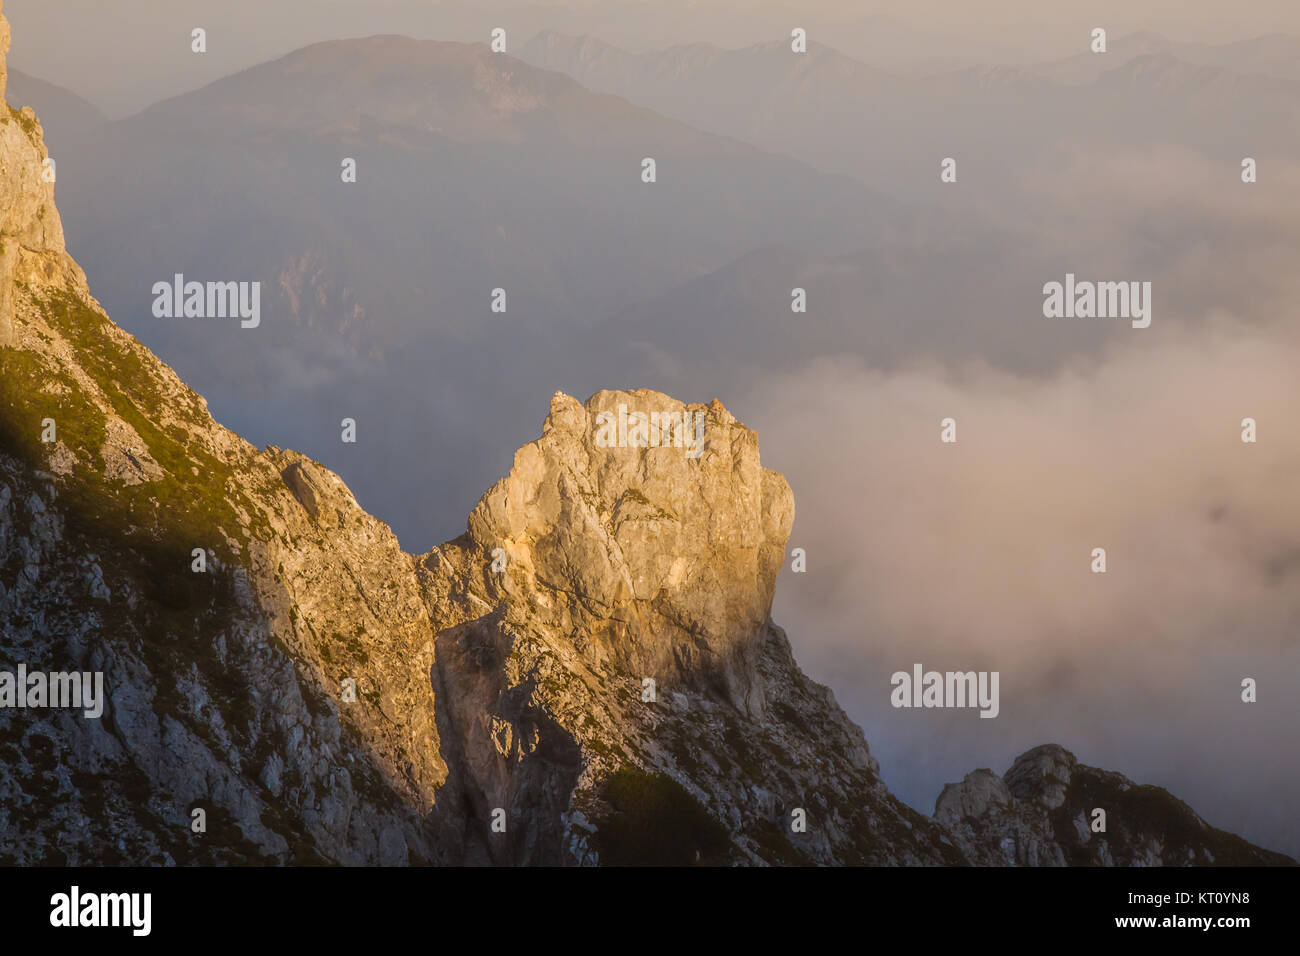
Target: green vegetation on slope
[(28, 124), (191, 506)]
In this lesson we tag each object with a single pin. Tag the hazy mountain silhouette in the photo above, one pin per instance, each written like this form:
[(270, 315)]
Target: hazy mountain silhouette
[(68, 119), (891, 131), (1276, 55)]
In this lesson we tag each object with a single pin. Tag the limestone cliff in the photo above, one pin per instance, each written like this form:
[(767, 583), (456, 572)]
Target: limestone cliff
[(589, 674)]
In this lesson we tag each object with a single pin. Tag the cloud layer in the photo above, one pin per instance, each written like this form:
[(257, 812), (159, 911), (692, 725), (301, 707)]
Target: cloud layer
[(977, 555)]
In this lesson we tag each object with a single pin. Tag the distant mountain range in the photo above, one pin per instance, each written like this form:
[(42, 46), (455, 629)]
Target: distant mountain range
[(1276, 55), (847, 117), (475, 172)]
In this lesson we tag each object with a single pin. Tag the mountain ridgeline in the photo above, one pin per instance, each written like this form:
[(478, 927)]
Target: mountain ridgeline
[(589, 674)]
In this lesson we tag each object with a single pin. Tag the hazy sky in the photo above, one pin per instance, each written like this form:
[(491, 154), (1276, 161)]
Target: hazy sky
[(126, 54)]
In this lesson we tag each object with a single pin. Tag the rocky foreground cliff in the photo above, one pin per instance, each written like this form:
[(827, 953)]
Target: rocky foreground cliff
[(590, 674)]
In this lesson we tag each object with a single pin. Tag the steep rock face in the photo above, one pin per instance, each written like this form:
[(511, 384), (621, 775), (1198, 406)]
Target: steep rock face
[(223, 686), (1040, 813), (31, 234), (666, 561)]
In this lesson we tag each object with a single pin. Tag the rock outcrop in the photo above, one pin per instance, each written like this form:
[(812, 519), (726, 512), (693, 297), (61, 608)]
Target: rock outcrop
[(589, 674), (31, 234), (624, 634), (1048, 810)]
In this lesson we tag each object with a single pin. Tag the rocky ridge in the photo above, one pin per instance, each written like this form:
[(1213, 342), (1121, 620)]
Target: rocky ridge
[(590, 674), (1041, 813)]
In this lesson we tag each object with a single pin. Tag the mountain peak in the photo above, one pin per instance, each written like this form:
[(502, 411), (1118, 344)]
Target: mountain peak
[(650, 523)]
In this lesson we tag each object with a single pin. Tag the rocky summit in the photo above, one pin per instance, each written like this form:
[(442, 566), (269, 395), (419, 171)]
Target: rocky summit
[(589, 674)]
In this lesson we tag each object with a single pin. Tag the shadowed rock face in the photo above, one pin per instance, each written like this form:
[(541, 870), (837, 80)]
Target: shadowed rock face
[(1041, 813), (589, 673)]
